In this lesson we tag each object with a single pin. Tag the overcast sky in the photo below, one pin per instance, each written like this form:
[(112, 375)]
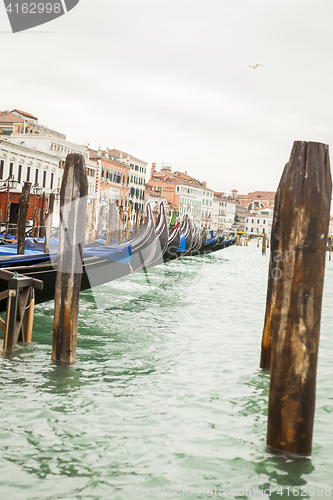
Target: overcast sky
[(170, 81)]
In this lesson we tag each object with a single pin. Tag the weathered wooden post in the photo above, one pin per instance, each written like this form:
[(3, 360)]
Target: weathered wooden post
[(34, 222), (264, 244), (120, 232), (100, 222), (73, 205), (88, 223), (49, 223), (38, 222), (305, 196), (22, 218), (42, 217), (128, 222), (111, 222), (273, 277), (93, 222)]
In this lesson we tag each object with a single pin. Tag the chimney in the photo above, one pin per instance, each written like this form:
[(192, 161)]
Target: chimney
[(153, 166), (204, 183), (185, 172)]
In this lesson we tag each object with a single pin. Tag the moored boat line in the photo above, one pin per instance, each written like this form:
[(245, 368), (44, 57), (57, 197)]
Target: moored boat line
[(102, 263)]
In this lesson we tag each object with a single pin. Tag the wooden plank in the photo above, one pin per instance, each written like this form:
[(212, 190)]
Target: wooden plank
[(4, 295), (305, 197), (73, 207), (3, 325)]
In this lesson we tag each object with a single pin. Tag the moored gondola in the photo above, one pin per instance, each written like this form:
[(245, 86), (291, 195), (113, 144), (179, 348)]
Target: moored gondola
[(173, 243), (162, 237), (101, 264)]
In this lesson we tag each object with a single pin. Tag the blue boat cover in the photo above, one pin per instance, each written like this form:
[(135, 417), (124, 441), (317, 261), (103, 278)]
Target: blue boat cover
[(115, 253), (182, 246), (9, 257)]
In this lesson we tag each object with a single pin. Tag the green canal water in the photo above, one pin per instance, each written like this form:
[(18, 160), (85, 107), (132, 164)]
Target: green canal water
[(166, 399)]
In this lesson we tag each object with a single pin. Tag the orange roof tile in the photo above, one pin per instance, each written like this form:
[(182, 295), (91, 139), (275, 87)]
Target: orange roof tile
[(10, 118), (24, 113), (117, 152), (264, 195)]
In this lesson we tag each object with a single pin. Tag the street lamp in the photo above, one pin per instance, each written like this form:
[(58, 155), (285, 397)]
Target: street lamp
[(56, 193)]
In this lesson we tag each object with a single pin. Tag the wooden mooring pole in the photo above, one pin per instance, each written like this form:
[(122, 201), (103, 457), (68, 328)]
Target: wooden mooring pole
[(301, 236), (264, 244), (49, 223), (93, 223), (273, 276), (128, 222), (22, 218), (73, 205), (87, 236)]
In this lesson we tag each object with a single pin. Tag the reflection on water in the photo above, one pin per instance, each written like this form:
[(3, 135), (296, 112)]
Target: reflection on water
[(166, 391)]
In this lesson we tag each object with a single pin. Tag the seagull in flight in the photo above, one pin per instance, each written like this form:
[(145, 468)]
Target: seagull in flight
[(254, 67)]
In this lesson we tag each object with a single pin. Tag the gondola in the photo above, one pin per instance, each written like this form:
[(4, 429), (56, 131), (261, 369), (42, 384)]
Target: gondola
[(202, 242), (197, 241), (173, 243), (224, 243), (101, 263), (186, 231), (162, 237)]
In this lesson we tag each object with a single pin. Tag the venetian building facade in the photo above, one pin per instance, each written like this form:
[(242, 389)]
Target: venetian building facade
[(137, 179), (25, 164), (112, 178), (57, 146)]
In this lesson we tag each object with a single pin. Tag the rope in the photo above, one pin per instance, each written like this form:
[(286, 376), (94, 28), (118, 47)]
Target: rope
[(32, 299)]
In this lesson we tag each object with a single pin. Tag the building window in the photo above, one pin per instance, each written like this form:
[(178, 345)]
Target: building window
[(252, 221), (264, 221), (11, 167), (1, 168), (44, 179), (28, 174), (52, 178), (19, 176), (257, 221), (263, 229), (36, 176)]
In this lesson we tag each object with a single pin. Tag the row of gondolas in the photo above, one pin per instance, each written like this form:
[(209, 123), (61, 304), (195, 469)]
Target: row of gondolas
[(102, 263)]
